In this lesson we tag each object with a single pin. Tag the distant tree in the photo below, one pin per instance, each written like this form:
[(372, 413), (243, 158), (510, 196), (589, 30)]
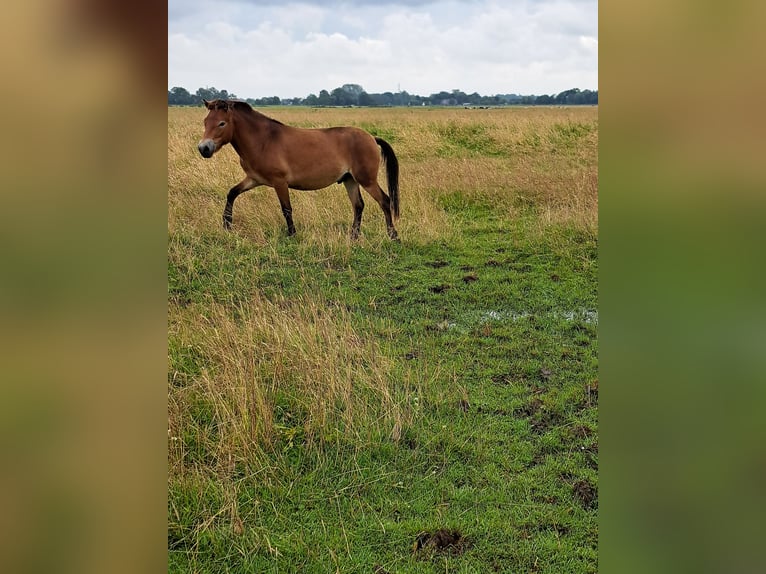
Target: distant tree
[(354, 94), (575, 97), (514, 98), (491, 100), (353, 89), (509, 98), (365, 99), (387, 99), (207, 93), (459, 97), (214, 94), (268, 101), (341, 97), (568, 97), (377, 99), (589, 98), (402, 98), (324, 98), (439, 99), (181, 97)]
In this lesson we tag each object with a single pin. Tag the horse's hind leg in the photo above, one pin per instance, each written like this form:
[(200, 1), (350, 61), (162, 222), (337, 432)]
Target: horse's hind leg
[(352, 187), (234, 192), (283, 193), (384, 201)]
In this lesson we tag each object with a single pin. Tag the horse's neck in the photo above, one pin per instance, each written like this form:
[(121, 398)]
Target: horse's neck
[(250, 126)]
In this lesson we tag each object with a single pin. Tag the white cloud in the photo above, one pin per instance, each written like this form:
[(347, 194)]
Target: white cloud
[(589, 43), (255, 50)]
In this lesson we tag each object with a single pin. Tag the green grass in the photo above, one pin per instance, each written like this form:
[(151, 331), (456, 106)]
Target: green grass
[(459, 139), (329, 401), (381, 131), (503, 317)]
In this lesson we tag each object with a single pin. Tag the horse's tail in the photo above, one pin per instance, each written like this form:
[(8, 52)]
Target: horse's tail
[(392, 173)]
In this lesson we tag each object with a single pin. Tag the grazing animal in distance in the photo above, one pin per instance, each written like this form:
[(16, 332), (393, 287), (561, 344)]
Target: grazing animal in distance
[(283, 157)]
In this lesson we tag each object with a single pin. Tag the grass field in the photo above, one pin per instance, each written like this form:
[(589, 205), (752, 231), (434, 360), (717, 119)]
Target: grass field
[(332, 404)]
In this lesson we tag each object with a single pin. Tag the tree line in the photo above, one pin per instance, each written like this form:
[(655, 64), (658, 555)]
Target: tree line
[(355, 95)]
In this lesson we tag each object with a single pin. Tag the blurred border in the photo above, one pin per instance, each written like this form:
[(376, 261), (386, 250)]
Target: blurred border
[(83, 296), (682, 330)]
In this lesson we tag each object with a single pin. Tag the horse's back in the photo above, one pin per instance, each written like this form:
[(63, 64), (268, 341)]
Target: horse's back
[(346, 139), (347, 145)]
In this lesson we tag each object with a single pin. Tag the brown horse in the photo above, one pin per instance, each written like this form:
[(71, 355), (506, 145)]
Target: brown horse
[(280, 156)]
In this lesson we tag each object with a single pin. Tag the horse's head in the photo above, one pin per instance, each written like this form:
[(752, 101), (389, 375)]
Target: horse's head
[(219, 127)]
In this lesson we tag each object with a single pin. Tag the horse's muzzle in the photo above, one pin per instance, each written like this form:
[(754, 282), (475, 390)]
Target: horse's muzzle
[(206, 148)]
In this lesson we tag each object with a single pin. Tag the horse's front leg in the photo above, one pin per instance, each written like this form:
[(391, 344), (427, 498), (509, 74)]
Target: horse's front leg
[(244, 185), (283, 193)]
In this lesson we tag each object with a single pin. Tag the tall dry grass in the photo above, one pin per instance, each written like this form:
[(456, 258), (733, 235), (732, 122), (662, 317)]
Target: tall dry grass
[(272, 373)]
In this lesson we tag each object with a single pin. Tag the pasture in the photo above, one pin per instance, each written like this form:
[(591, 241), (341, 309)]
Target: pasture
[(334, 403)]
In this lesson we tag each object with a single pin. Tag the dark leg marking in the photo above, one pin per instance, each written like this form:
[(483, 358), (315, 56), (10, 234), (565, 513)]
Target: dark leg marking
[(385, 204), (352, 188), (244, 185), (283, 194)]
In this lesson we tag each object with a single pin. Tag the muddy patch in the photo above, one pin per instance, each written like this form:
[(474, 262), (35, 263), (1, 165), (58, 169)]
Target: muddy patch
[(531, 408), (439, 263), (450, 541), (585, 493), (579, 431)]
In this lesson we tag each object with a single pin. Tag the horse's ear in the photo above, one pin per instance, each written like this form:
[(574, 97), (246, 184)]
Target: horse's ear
[(207, 104)]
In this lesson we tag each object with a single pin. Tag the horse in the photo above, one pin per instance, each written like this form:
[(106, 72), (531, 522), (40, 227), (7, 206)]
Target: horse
[(283, 157)]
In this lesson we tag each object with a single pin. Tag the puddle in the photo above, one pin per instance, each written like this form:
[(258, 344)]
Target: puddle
[(585, 315), (491, 316), (472, 319)]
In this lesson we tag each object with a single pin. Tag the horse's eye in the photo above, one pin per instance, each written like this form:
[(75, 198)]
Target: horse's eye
[(221, 124)]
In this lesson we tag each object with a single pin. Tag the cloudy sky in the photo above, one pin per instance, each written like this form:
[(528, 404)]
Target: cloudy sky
[(257, 48)]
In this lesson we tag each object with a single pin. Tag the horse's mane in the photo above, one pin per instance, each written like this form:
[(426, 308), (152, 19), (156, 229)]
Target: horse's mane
[(240, 105)]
